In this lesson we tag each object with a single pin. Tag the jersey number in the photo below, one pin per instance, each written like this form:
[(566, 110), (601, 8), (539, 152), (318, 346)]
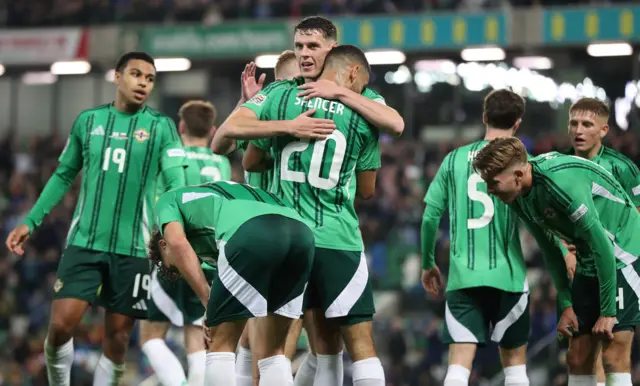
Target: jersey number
[(314, 177), (211, 173), (141, 281), (481, 197), (117, 156)]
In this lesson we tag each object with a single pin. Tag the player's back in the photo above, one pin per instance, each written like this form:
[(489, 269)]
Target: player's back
[(120, 154), (318, 177), (484, 233), (260, 180)]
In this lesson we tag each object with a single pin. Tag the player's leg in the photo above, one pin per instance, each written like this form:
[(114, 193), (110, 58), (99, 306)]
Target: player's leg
[(511, 330), (246, 366), (601, 377), (307, 371), (124, 297), (77, 282), (465, 327), (616, 354), (584, 347), (162, 310), (291, 346), (348, 303)]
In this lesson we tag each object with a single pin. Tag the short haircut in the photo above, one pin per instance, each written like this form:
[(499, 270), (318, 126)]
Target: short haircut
[(283, 60), (502, 109), (347, 54), (499, 155), (155, 257), (317, 23), (198, 117), (134, 55), (596, 106)]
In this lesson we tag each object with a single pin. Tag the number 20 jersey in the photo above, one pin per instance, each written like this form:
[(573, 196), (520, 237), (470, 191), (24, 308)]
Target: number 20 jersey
[(484, 233), (317, 178)]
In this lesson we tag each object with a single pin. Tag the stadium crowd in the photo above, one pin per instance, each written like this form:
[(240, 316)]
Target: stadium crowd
[(411, 346), (31, 13)]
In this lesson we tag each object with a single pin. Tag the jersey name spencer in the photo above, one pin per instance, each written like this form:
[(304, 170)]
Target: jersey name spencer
[(485, 243), (569, 195), (317, 177), (622, 168), (121, 156), (214, 211), (202, 166)]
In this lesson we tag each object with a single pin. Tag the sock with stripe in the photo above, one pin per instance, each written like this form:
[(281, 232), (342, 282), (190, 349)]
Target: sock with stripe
[(619, 379), (108, 373)]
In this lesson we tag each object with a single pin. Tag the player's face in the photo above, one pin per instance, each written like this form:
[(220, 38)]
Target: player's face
[(311, 48), (586, 130), (507, 185), (136, 81)]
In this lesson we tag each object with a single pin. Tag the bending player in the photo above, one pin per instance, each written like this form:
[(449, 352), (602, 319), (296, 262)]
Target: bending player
[(121, 147), (175, 302), (583, 204), (588, 125), (487, 285), (320, 188), (233, 226)]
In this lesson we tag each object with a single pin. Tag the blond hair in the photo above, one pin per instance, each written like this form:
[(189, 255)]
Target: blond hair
[(285, 58), (596, 106), (499, 155)]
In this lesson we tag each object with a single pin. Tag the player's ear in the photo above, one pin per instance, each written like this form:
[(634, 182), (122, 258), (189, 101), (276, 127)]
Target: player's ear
[(181, 127), (484, 118), (516, 125), (163, 244), (604, 131), (333, 45), (116, 78)]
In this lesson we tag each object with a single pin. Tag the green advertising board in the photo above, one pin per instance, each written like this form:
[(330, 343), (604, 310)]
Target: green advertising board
[(220, 41)]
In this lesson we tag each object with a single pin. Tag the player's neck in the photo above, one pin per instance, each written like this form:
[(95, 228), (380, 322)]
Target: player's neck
[(527, 181), (492, 133), (124, 107), (194, 142), (591, 154)]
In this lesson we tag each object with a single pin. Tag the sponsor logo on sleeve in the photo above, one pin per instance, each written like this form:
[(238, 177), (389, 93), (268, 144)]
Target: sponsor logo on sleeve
[(579, 213), (258, 100), (176, 153)]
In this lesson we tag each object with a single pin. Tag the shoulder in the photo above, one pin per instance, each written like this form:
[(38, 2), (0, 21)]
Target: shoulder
[(373, 95), (619, 159), (93, 110), (280, 85)]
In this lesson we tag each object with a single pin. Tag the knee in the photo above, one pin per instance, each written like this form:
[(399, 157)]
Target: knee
[(578, 363), (616, 361), (117, 342), (60, 329)]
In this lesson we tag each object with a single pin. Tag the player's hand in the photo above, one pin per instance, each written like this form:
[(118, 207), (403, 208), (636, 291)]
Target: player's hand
[(16, 239), (604, 326), (250, 87), (205, 332), (321, 88), (570, 261), (432, 281), (568, 322), (304, 126)]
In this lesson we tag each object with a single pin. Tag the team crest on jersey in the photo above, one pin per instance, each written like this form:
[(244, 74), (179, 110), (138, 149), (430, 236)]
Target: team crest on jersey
[(549, 213), (58, 285), (258, 99), (141, 135)]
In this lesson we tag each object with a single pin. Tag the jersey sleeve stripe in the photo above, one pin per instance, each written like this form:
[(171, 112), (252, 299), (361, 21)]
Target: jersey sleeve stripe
[(85, 150), (223, 192), (453, 197), (632, 167), (602, 173), (275, 198), (253, 192)]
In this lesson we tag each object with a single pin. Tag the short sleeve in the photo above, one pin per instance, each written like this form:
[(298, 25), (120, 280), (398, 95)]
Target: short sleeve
[(573, 198), (369, 158), (374, 96), (72, 152), (437, 194), (167, 210), (172, 154), (630, 181)]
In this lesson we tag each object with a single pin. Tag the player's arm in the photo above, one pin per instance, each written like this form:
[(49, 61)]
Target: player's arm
[(172, 158), (575, 201), (70, 165), (630, 180), (256, 158), (186, 260), (437, 199), (375, 111), (369, 161)]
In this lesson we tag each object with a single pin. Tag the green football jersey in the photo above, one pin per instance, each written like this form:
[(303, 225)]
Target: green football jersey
[(121, 156), (214, 211), (484, 232), (317, 177), (260, 180), (622, 168), (202, 166), (580, 202)]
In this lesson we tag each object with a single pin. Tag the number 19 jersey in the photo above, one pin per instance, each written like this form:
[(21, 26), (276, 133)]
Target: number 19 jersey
[(484, 233), (317, 177)]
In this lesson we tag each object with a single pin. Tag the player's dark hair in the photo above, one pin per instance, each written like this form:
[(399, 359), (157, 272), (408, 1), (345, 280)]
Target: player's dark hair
[(134, 55), (593, 105), (347, 54), (198, 117), (155, 257), (284, 59), (503, 108), (317, 23)]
